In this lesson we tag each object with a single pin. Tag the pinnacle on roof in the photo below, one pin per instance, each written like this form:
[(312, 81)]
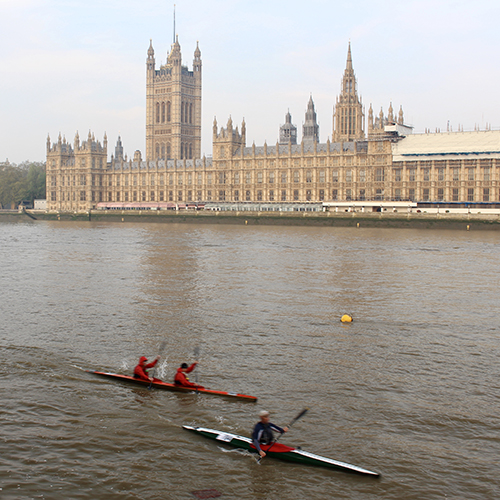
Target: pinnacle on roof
[(310, 104)]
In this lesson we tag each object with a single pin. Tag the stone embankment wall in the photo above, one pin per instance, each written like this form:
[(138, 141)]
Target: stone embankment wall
[(344, 219)]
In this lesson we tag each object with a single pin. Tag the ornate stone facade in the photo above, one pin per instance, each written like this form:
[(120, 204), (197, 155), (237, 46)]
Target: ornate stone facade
[(388, 163), (75, 175)]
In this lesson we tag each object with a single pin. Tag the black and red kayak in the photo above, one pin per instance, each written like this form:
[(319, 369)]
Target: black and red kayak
[(158, 384)]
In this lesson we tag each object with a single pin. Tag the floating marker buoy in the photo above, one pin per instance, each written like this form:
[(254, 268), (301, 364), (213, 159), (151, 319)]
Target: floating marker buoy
[(346, 318), (468, 227)]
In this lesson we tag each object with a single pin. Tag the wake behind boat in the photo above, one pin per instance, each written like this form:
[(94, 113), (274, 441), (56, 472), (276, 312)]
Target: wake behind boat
[(157, 384), (280, 451)]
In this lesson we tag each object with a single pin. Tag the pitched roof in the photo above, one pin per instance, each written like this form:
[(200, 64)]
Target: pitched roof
[(456, 144)]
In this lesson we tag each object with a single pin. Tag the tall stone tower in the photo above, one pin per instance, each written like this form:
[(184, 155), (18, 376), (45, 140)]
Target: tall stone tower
[(310, 129), (173, 106), (348, 117)]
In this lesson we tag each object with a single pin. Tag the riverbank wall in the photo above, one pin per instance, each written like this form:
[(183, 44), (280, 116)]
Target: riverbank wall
[(334, 219)]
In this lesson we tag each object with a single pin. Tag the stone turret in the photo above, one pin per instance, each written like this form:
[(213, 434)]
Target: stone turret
[(288, 131), (310, 129), (228, 140)]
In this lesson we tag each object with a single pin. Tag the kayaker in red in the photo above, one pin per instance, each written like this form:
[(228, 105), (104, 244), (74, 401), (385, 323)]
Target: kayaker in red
[(140, 370), (182, 380), (263, 432)]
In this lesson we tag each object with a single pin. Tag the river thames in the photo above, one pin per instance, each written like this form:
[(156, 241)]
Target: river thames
[(410, 389)]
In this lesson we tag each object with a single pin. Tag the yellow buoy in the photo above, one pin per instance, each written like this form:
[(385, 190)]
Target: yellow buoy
[(346, 318)]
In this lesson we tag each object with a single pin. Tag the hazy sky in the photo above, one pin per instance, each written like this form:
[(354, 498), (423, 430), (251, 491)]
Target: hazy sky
[(68, 65)]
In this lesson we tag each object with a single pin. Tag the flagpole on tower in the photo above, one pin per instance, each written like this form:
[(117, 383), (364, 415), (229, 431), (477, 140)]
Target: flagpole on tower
[(174, 22)]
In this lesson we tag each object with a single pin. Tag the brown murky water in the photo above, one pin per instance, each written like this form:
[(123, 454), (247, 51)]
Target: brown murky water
[(410, 389)]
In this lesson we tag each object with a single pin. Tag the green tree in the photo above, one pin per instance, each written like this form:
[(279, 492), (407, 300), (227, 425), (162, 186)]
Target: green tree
[(21, 182), (35, 182)]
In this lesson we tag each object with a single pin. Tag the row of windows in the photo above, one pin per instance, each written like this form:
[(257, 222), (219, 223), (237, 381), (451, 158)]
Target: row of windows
[(456, 174), (271, 178), (164, 112), (81, 162), (82, 196), (348, 121), (466, 163), (164, 151), (472, 194)]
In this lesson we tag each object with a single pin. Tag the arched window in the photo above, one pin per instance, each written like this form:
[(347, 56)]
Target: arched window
[(157, 112), (157, 151), (190, 151), (168, 111), (163, 112), (190, 113), (163, 151), (168, 149)]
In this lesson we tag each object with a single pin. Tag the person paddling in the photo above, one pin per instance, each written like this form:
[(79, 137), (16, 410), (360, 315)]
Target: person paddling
[(140, 371), (263, 432), (181, 378)]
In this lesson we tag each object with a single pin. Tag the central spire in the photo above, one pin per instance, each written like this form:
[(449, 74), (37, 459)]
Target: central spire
[(349, 114), (349, 58)]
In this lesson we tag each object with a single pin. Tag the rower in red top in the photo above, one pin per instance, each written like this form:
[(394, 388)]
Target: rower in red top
[(182, 380), (140, 370)]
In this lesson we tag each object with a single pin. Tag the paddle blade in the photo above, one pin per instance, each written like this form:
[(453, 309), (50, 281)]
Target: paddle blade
[(196, 352), (300, 415)]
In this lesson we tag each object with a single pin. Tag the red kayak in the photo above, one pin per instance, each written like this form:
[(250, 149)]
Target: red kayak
[(158, 384)]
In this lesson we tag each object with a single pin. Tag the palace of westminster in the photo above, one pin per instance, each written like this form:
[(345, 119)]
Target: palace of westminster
[(377, 158)]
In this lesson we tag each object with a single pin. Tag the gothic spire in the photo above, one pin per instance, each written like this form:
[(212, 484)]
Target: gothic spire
[(349, 113), (310, 129), (401, 116), (348, 66)]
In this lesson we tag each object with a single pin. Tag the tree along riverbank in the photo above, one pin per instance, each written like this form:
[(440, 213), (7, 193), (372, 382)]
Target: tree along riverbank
[(335, 219)]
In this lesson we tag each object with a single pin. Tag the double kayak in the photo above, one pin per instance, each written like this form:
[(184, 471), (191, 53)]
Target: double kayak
[(158, 384), (278, 450)]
